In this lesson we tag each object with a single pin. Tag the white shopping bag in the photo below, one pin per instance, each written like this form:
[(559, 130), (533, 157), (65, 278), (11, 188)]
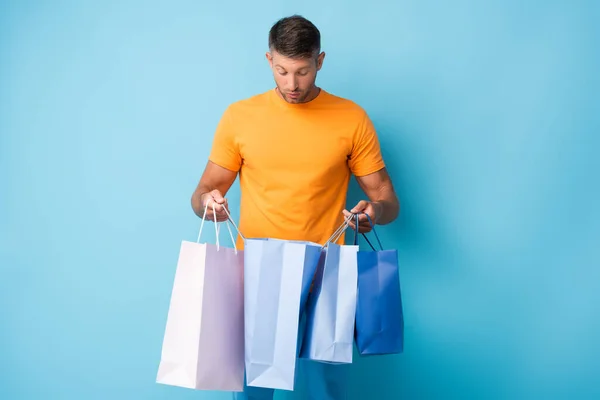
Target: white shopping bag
[(203, 345)]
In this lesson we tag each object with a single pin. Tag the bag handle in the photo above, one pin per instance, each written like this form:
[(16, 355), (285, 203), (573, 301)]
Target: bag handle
[(229, 221), (372, 229), (339, 231), (232, 222)]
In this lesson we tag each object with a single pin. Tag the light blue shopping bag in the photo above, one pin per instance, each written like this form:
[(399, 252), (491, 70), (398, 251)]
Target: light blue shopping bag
[(379, 315), (331, 308), (277, 279)]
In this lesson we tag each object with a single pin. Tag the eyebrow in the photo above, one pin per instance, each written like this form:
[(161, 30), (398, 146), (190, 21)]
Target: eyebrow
[(279, 66)]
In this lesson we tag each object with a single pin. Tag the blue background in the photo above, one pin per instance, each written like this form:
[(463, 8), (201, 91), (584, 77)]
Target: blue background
[(489, 115)]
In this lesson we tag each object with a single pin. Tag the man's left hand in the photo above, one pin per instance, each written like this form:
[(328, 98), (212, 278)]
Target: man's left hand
[(363, 207)]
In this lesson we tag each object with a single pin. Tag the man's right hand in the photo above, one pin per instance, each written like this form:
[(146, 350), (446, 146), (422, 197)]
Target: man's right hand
[(220, 204)]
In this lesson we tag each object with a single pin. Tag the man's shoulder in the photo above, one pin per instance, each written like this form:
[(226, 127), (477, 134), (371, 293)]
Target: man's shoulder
[(257, 100), (339, 103)]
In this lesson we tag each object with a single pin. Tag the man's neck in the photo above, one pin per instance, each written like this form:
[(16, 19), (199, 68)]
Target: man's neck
[(313, 94)]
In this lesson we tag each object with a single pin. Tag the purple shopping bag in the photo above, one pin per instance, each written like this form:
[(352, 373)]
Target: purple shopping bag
[(203, 345)]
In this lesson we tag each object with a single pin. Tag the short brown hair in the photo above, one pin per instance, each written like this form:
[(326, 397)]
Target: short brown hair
[(295, 37)]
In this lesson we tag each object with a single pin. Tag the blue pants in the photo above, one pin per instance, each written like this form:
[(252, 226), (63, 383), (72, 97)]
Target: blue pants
[(323, 382)]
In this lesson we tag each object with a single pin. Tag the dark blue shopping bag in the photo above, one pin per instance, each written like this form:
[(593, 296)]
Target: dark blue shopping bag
[(379, 315)]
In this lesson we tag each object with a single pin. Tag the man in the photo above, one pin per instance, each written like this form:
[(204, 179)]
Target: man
[(295, 148)]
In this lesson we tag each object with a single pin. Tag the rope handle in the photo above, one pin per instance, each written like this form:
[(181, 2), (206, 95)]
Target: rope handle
[(228, 223)]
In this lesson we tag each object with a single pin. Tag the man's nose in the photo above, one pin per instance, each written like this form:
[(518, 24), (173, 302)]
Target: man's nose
[(293, 84)]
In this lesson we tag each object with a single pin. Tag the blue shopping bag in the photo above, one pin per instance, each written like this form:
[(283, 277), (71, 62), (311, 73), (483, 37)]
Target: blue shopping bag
[(277, 279), (379, 315), (331, 308)]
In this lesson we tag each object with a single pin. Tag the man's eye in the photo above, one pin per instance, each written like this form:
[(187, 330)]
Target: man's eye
[(282, 73), (302, 73)]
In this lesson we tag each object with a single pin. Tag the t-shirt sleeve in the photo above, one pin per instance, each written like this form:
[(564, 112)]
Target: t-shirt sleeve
[(225, 150), (365, 157)]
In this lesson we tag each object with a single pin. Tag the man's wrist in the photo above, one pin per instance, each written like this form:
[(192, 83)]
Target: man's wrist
[(379, 209)]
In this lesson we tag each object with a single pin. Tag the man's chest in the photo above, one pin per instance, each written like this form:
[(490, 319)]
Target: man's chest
[(296, 145)]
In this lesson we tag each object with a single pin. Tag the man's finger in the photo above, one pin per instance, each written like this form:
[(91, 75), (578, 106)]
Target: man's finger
[(349, 218), (367, 220), (221, 218), (211, 202), (359, 207), (217, 196), (362, 217)]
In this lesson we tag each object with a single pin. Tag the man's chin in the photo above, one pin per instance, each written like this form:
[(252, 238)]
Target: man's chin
[(294, 100)]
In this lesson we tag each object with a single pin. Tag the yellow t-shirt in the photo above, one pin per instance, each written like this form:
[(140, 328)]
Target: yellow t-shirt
[(295, 162)]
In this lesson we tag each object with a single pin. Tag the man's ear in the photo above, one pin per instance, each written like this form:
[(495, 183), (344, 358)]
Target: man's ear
[(269, 59), (320, 59)]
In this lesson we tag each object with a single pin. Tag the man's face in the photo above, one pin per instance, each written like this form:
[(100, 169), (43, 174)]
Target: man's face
[(295, 77)]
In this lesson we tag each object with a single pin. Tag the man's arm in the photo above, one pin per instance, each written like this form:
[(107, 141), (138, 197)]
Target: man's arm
[(383, 206), (213, 185)]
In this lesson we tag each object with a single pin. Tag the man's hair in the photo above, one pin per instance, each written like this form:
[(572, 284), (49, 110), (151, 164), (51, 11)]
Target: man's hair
[(295, 37)]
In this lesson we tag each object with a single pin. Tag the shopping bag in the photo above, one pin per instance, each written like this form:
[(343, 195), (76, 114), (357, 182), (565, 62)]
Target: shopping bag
[(331, 308), (277, 278), (379, 315), (203, 345)]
